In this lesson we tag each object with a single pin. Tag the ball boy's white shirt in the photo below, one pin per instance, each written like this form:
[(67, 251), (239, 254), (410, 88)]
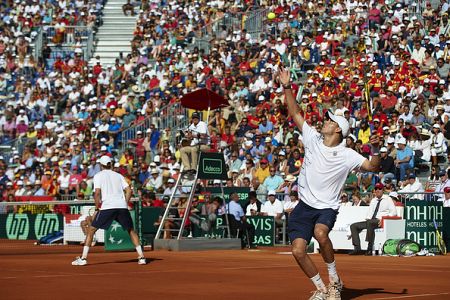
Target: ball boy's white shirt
[(111, 185), (324, 170)]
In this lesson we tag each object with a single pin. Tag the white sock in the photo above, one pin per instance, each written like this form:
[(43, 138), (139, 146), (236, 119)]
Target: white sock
[(139, 251), (85, 252), (332, 273), (318, 282)]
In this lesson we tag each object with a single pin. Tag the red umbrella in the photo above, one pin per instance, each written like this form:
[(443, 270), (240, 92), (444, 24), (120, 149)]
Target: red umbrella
[(203, 99)]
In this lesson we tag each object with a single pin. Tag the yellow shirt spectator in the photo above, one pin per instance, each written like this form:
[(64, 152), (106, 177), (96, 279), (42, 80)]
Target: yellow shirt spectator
[(119, 112), (364, 133), (263, 171)]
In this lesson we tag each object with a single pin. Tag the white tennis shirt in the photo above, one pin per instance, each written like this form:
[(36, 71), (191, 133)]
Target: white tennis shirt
[(111, 185), (324, 170)]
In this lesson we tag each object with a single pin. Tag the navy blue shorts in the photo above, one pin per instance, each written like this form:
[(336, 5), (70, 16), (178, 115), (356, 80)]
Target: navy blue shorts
[(304, 218), (104, 218)]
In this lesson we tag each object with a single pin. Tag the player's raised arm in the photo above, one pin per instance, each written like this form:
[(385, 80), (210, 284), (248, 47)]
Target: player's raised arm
[(373, 165), (293, 108)]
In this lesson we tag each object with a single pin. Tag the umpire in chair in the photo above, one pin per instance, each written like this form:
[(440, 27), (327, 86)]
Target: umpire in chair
[(380, 206), (238, 221), (197, 139)]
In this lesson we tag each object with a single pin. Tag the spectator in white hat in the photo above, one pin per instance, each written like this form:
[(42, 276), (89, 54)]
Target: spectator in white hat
[(170, 188), (22, 117), (154, 182), (20, 189), (438, 144)]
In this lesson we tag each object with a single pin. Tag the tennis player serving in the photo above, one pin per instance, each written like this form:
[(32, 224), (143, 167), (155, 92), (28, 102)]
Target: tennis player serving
[(325, 168), (112, 193)]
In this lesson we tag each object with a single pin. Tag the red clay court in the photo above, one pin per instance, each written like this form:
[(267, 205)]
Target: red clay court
[(45, 272)]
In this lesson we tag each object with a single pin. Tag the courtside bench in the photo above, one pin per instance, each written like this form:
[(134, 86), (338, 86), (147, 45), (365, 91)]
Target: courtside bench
[(393, 228)]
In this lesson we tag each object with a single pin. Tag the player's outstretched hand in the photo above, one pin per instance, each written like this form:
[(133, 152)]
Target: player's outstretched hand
[(375, 141), (284, 76)]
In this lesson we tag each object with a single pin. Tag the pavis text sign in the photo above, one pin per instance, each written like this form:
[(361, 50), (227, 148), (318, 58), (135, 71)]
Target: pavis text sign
[(264, 229)]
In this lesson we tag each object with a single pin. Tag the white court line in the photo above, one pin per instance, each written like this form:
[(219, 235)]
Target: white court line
[(141, 272), (65, 274), (402, 269), (93, 274), (261, 267), (412, 296)]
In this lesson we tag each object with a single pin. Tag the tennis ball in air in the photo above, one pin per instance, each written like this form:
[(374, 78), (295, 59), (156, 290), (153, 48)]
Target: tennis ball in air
[(271, 16)]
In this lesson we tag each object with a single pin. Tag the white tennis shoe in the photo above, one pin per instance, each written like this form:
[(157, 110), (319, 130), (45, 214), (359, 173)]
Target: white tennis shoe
[(334, 290), (142, 261), (319, 295), (79, 262)]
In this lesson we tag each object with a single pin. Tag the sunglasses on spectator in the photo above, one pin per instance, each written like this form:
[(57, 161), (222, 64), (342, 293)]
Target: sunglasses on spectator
[(378, 188)]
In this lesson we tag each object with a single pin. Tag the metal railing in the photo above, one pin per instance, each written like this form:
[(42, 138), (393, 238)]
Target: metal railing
[(406, 196), (7, 147), (228, 22), (254, 22), (65, 42), (173, 116), (90, 46), (38, 44), (202, 43), (68, 35)]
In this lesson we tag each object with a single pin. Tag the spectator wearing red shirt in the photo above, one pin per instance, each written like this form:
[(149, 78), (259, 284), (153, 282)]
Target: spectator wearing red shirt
[(227, 137), (377, 128), (408, 130), (378, 114), (97, 69), (149, 200), (154, 82), (389, 100), (58, 64), (138, 142)]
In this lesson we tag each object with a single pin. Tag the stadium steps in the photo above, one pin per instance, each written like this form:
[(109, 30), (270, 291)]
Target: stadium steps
[(115, 35)]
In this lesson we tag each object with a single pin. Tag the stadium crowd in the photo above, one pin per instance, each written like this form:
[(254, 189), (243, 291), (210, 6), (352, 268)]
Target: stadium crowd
[(382, 65)]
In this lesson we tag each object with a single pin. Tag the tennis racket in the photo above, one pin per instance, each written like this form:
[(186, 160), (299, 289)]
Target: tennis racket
[(440, 241)]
